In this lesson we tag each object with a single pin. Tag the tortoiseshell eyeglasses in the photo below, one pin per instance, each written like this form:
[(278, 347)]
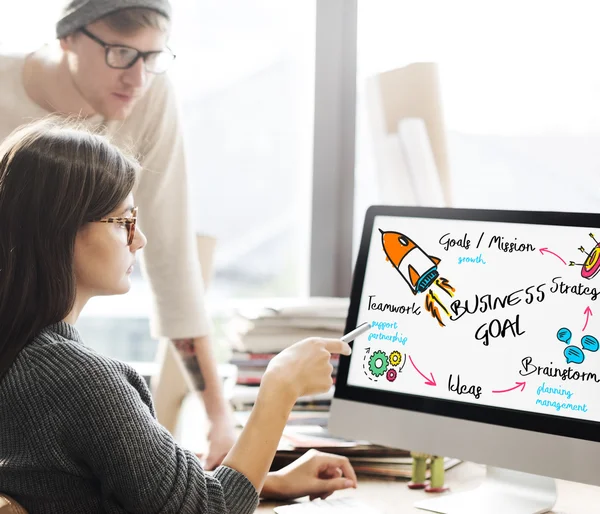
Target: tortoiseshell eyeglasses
[(129, 222)]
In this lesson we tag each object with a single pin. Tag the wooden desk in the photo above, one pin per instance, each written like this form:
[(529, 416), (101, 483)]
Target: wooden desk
[(393, 497)]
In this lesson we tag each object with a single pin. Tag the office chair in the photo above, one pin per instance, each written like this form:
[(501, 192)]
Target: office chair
[(406, 122)]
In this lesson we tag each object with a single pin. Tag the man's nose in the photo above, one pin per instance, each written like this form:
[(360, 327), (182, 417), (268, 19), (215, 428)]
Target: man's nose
[(136, 76)]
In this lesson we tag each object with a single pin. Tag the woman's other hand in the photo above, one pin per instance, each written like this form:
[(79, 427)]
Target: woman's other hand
[(315, 474)]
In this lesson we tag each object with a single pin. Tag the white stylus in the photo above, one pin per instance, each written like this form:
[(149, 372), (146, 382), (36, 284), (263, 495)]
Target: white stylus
[(351, 336)]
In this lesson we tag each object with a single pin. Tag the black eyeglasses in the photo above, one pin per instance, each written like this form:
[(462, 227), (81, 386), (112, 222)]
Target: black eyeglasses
[(123, 57)]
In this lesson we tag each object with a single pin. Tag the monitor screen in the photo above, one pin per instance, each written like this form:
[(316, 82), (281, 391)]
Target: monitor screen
[(482, 315)]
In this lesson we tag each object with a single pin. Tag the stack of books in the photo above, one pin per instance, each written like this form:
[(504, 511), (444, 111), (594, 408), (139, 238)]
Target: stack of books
[(258, 332), (251, 366)]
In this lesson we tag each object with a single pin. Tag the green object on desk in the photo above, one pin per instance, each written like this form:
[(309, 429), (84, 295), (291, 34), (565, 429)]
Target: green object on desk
[(419, 469), (437, 472)]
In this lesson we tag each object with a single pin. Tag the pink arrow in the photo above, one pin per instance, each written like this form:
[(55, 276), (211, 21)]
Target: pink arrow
[(519, 384), (588, 313), (428, 381), (542, 250)]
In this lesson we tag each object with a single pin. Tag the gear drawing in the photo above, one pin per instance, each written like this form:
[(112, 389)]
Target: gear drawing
[(391, 374), (395, 358), (378, 363)]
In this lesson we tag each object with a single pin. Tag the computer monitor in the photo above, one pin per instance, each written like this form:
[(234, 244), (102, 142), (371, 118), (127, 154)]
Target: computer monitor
[(483, 347)]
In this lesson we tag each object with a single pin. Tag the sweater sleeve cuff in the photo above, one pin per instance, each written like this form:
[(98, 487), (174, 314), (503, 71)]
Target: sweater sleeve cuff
[(194, 326), (240, 495)]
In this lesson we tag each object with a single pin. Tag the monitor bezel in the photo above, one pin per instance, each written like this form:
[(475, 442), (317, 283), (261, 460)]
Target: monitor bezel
[(512, 418)]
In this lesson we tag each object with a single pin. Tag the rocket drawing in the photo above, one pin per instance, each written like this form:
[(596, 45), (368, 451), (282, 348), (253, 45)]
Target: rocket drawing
[(418, 269)]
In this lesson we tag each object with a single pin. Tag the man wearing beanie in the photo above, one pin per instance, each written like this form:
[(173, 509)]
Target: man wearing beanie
[(108, 66)]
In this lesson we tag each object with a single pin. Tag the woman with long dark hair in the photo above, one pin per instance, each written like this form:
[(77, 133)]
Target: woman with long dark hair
[(78, 432)]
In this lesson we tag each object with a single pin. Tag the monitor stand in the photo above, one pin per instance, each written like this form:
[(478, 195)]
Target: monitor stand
[(501, 492)]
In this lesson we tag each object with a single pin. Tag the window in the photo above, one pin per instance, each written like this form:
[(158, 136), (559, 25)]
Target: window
[(520, 95), (245, 78)]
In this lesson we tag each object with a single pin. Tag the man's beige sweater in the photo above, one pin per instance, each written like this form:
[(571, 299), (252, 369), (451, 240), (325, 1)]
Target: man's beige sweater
[(153, 134)]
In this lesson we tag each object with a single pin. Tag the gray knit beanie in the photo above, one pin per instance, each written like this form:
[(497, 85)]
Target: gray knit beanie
[(76, 14)]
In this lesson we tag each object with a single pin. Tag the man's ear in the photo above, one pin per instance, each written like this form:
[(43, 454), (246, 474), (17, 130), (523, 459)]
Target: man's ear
[(66, 42)]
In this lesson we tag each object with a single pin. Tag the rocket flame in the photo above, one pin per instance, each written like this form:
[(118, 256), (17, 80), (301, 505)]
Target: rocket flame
[(432, 300), (443, 284), (431, 307)]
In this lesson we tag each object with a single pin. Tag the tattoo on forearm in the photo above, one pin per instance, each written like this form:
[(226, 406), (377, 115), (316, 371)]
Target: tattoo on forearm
[(187, 351)]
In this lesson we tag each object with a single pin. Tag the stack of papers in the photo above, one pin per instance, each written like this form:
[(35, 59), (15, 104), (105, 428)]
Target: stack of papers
[(269, 327)]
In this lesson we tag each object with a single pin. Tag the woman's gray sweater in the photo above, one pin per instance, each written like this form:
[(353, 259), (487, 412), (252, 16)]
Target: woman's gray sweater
[(78, 434)]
